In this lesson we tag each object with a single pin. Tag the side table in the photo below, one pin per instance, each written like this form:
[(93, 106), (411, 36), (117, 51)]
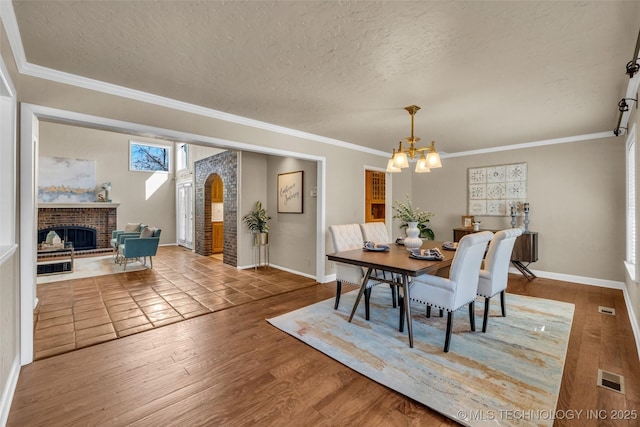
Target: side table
[(525, 249)]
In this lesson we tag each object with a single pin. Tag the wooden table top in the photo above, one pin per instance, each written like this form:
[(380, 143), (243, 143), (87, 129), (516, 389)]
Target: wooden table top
[(396, 260)]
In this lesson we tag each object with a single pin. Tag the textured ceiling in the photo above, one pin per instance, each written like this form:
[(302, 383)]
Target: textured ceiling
[(485, 73)]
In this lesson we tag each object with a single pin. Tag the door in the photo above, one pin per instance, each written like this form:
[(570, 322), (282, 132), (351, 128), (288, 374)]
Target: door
[(184, 214), (375, 197)]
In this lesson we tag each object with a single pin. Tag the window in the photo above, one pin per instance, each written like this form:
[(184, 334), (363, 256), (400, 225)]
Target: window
[(182, 156), (631, 261), (148, 157)]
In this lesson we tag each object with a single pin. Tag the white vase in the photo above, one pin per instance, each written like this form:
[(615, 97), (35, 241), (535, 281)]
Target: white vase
[(413, 241)]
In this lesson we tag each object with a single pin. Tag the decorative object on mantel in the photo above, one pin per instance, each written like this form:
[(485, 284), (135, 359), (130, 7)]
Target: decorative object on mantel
[(476, 225), (514, 212), (494, 189), (416, 221), (400, 159), (66, 180), (106, 187)]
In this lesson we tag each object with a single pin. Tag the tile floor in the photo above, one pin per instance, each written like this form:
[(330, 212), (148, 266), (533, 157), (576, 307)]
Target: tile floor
[(77, 313)]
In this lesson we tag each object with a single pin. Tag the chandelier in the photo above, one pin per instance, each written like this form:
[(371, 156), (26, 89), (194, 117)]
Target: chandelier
[(400, 159)]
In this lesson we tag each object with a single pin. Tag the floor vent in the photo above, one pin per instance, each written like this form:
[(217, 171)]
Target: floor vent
[(607, 310), (611, 381)]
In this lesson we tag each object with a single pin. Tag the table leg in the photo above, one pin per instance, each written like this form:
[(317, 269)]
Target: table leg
[(407, 307), (362, 288)]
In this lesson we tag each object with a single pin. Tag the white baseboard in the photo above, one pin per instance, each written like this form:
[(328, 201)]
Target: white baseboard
[(604, 283), (9, 390), (632, 319), (298, 273)]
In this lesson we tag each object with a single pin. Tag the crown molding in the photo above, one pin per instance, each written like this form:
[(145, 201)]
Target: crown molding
[(554, 141), (26, 68)]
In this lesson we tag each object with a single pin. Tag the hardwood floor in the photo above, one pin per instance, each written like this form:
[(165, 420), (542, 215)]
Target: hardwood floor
[(232, 368), (77, 313)]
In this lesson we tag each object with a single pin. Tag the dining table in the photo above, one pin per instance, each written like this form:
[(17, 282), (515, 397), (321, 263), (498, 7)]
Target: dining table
[(395, 260)]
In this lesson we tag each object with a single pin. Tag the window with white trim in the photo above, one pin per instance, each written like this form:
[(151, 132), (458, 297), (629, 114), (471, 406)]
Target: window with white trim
[(631, 260), (145, 157), (182, 156)]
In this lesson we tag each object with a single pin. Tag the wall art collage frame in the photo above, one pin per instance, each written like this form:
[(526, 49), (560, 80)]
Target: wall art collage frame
[(492, 190)]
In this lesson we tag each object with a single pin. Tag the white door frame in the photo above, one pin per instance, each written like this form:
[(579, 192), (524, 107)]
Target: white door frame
[(30, 114), (186, 186)]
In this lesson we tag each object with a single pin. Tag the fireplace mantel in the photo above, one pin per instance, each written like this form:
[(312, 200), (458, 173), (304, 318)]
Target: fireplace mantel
[(88, 205)]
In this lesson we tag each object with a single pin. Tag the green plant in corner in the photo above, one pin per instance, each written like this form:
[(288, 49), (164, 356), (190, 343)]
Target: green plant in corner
[(405, 212), (256, 220)]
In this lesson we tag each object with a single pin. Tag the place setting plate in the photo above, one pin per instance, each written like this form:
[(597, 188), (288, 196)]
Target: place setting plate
[(450, 246), (426, 254), (375, 247)]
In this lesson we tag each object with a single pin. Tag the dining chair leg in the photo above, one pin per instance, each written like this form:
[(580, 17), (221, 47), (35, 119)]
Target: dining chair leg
[(367, 298), (485, 318), (428, 311), (338, 290), (447, 339), (472, 315), (394, 290), (401, 321), (502, 304), (441, 313)]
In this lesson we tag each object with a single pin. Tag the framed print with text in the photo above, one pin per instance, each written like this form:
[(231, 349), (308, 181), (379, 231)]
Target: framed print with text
[(290, 192)]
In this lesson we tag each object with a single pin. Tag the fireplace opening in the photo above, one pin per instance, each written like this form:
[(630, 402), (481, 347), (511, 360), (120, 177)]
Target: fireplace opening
[(83, 238)]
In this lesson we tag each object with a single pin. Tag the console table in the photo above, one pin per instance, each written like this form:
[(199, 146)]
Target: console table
[(525, 249), (55, 260)]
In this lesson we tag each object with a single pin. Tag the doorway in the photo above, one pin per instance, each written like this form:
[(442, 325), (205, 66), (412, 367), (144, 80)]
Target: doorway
[(184, 214), (217, 211), (375, 196)]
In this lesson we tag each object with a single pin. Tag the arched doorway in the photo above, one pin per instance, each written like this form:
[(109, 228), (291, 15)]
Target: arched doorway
[(217, 215)]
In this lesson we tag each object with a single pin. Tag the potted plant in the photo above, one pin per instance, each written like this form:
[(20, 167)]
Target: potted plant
[(256, 222), (406, 212)]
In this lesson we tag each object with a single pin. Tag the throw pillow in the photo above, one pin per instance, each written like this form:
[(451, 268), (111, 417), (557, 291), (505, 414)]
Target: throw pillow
[(132, 226), (147, 232)]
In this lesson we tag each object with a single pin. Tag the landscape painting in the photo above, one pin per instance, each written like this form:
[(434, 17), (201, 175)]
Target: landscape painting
[(63, 180)]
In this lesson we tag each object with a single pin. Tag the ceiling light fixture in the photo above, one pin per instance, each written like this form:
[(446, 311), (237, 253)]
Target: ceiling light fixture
[(400, 159)]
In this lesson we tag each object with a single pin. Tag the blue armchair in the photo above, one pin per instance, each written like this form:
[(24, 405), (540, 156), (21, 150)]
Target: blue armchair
[(132, 229), (136, 247)]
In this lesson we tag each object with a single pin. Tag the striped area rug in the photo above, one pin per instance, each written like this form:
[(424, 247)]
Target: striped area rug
[(509, 375)]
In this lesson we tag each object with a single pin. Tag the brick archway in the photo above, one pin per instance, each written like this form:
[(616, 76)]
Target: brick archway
[(224, 165)]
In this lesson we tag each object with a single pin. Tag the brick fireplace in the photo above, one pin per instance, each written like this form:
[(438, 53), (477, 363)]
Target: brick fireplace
[(102, 217)]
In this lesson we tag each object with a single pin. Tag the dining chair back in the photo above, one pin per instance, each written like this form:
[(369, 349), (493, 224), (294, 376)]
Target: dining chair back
[(458, 289), (347, 237), (375, 232), (494, 276)]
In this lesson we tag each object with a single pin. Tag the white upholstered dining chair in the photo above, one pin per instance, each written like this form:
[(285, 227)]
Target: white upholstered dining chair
[(347, 237), (494, 276), (377, 232), (459, 289)]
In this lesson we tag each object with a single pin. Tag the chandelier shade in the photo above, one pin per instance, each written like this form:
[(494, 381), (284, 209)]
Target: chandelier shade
[(400, 158)]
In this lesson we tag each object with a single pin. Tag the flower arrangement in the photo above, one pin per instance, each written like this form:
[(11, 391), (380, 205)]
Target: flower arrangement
[(406, 212)]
